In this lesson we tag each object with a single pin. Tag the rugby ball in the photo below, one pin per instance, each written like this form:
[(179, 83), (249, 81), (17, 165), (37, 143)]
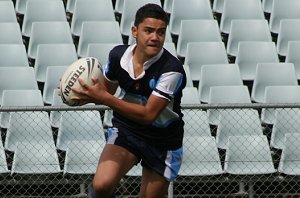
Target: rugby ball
[(83, 68)]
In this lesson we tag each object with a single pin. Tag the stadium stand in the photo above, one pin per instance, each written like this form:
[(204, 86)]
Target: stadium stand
[(206, 171)]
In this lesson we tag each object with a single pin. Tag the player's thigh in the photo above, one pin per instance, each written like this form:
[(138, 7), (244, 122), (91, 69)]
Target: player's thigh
[(114, 163), (153, 185)]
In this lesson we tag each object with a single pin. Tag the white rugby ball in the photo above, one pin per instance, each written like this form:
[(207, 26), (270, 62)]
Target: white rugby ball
[(83, 68)]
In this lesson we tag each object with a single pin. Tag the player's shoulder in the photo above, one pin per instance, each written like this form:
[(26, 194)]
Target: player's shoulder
[(118, 50), (172, 62)]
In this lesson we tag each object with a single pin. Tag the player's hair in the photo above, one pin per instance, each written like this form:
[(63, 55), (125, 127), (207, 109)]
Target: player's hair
[(150, 10)]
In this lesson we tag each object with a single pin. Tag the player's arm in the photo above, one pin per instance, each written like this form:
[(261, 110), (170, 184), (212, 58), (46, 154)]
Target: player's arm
[(144, 114), (101, 93)]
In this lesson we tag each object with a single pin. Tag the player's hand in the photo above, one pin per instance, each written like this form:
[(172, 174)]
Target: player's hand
[(94, 93)]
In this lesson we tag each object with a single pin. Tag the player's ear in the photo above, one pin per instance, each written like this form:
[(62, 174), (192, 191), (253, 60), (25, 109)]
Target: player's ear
[(134, 31)]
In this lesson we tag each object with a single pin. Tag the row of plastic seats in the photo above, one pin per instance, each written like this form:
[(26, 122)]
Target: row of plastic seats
[(246, 155), (233, 122), (41, 158), (249, 54)]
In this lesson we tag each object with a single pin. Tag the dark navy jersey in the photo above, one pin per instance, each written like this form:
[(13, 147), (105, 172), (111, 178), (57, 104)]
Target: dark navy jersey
[(164, 77)]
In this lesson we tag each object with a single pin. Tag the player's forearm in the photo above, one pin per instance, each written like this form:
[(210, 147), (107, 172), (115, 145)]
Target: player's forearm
[(136, 112)]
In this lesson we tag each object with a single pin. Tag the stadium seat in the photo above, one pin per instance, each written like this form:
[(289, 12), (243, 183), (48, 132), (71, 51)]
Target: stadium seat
[(189, 81), (12, 33), (12, 98), (17, 78), (248, 155), (119, 6), (196, 123), (4, 171), (225, 95), (170, 46), (13, 55), (55, 115), (20, 6), (70, 6), (82, 157), (36, 158), (278, 94), (188, 10), (37, 125), (286, 121), (98, 32), (292, 56), (49, 55), (248, 56), (73, 127), (237, 122), (7, 12), (204, 53), (90, 10), (190, 96), (209, 32), (240, 10), (267, 5), (201, 157), (217, 75), (100, 51), (53, 75), (289, 30), (218, 6), (128, 13), (242, 30), (48, 33), (289, 160), (270, 74), (42, 11), (283, 10), (168, 6)]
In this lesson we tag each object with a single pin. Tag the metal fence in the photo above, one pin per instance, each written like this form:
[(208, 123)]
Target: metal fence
[(241, 150)]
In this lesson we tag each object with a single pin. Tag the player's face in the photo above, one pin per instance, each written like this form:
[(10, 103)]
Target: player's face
[(150, 36)]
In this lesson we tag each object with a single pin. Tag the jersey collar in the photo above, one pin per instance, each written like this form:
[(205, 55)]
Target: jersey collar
[(127, 61)]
